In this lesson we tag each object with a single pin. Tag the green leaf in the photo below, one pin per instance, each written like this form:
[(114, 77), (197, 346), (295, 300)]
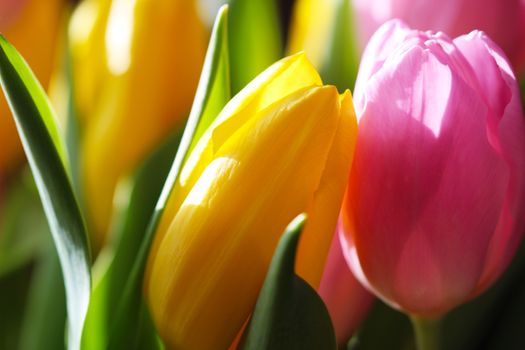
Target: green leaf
[(212, 77), (45, 312), (341, 64), (117, 258), (289, 313), (23, 227), (13, 63), (255, 39), (214, 89), (45, 152)]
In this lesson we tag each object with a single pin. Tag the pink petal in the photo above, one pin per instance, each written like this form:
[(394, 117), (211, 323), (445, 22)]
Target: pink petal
[(346, 299), (506, 131)]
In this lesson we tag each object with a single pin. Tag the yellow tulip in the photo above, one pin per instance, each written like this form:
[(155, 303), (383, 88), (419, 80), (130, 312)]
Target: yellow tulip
[(282, 146), (87, 30), (310, 28), (154, 52), (32, 26)]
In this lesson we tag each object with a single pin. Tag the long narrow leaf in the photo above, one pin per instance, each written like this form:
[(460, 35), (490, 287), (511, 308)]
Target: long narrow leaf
[(214, 89), (45, 152), (289, 313), (214, 76)]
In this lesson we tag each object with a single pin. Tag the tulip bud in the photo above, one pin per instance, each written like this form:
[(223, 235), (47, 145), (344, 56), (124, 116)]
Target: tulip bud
[(434, 209), (154, 51), (282, 146), (32, 26), (345, 298)]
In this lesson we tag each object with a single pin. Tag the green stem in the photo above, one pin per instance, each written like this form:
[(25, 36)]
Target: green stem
[(427, 333)]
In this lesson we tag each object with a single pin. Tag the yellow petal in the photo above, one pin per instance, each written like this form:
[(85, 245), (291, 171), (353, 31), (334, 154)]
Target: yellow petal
[(277, 82), (318, 233), (208, 269)]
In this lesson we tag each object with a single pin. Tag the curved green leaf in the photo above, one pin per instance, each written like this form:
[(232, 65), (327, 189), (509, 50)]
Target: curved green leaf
[(45, 152), (35, 90), (214, 89), (255, 39), (289, 313), (212, 94)]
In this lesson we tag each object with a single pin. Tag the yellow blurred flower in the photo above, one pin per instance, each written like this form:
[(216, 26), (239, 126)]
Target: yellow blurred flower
[(282, 146), (32, 26), (310, 28), (87, 30), (154, 52)]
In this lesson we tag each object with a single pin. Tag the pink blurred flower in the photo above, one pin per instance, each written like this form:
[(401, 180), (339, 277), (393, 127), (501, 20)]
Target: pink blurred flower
[(435, 205), (347, 301), (9, 9), (502, 20)]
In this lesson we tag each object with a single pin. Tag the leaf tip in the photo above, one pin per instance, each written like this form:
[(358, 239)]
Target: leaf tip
[(297, 224), (289, 240), (223, 11)]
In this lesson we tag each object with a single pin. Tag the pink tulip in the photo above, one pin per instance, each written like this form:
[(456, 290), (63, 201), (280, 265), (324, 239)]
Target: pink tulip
[(502, 20), (435, 205), (347, 301)]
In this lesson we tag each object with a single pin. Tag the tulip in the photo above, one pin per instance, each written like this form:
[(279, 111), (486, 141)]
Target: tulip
[(87, 30), (32, 26), (434, 209), (503, 21), (154, 52), (347, 301), (280, 147)]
